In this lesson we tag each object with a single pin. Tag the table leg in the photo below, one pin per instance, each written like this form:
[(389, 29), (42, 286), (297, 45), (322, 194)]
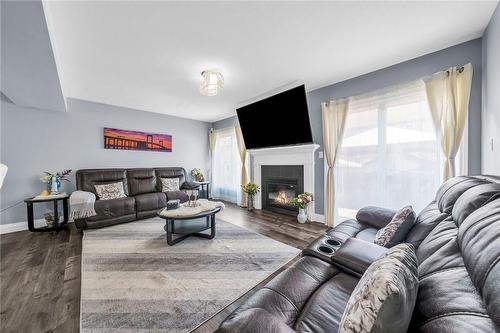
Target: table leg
[(169, 227), (56, 213), (66, 210), (212, 227), (31, 222)]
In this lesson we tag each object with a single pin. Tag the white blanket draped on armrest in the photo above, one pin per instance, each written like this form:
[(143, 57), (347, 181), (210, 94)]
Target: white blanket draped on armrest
[(81, 204)]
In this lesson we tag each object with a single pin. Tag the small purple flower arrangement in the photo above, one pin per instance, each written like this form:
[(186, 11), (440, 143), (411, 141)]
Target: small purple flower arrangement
[(302, 200)]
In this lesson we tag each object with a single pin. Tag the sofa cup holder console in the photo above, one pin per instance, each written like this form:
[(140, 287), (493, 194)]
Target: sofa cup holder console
[(323, 248), (333, 242)]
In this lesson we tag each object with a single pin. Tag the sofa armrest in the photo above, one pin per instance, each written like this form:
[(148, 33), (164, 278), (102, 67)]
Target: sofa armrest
[(190, 186), (254, 320), (377, 217), (355, 255)]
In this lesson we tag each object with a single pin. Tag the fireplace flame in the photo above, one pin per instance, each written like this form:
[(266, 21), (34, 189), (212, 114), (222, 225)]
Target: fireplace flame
[(282, 198)]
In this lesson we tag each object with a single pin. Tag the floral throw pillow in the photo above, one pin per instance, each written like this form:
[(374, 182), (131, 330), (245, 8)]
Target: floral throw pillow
[(110, 191), (169, 184), (385, 296), (396, 230)]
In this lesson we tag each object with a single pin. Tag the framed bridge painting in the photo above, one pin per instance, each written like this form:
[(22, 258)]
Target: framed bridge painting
[(135, 140)]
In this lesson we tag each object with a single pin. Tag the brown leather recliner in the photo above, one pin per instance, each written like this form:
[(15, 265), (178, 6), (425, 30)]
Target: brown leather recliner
[(142, 187)]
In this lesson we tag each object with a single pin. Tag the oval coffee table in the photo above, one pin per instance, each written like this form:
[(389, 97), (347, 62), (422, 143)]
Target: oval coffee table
[(185, 227)]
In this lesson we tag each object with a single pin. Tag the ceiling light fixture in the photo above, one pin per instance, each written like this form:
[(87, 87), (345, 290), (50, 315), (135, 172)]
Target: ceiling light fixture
[(211, 83)]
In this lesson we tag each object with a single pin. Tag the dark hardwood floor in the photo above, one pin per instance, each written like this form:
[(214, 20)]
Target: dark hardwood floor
[(40, 272)]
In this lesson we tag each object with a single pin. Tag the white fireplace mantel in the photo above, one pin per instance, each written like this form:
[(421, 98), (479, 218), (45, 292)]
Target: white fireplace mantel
[(289, 155)]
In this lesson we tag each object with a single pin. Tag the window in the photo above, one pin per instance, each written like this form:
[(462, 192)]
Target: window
[(226, 167), (390, 156)]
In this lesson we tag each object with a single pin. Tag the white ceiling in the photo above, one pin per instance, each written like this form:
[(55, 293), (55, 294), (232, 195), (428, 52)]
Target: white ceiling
[(149, 55)]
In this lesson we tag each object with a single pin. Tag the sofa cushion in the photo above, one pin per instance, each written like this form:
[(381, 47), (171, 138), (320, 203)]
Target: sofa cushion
[(376, 217), (107, 209), (86, 179), (329, 301), (351, 228), (452, 189), (397, 229), (479, 241), (150, 201), (473, 199), (426, 221), (110, 191), (460, 270), (170, 184), (177, 195), (172, 172), (384, 298), (281, 300), (141, 181)]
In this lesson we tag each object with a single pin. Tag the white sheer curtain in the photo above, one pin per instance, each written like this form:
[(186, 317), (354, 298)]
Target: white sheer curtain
[(390, 155), (226, 166), (448, 94)]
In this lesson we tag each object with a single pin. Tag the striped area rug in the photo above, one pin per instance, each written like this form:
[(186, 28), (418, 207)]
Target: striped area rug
[(132, 281)]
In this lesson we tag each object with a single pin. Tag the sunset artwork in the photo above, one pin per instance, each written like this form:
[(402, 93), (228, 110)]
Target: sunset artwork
[(135, 140)]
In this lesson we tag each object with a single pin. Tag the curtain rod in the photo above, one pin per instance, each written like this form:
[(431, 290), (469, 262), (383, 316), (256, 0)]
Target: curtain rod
[(460, 70)]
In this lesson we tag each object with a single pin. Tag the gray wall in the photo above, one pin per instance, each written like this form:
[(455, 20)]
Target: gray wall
[(35, 140), (490, 158), (29, 72), (400, 73)]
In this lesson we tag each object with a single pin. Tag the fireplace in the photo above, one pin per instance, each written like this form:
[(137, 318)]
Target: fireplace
[(280, 184)]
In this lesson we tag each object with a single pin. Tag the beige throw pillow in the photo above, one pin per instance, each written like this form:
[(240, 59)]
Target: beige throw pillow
[(396, 230), (110, 191), (385, 296), (169, 184)]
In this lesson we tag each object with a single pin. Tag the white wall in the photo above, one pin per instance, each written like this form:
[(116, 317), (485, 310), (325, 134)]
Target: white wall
[(490, 125)]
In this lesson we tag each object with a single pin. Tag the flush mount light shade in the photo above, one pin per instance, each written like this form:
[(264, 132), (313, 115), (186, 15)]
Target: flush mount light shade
[(211, 83)]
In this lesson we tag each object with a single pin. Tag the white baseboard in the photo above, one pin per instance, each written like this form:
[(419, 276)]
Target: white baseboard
[(20, 226), (318, 218)]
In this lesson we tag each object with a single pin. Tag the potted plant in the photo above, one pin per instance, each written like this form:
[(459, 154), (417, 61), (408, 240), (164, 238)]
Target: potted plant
[(301, 202), (53, 180), (50, 219), (251, 189), (197, 175)]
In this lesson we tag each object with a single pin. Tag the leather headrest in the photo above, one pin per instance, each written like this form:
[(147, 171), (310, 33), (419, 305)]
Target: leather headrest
[(140, 173), (473, 199), (479, 241), (452, 189)]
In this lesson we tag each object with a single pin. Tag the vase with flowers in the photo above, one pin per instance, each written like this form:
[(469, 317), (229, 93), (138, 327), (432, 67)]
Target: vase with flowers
[(251, 189), (53, 180), (197, 175), (301, 202)]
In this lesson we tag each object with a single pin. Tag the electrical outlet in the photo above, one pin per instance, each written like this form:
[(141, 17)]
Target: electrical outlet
[(320, 154)]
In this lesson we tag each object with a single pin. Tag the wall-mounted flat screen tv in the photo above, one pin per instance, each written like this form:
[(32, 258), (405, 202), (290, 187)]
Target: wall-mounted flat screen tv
[(279, 120)]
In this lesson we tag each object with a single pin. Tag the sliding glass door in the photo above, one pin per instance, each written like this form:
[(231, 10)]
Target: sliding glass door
[(390, 156)]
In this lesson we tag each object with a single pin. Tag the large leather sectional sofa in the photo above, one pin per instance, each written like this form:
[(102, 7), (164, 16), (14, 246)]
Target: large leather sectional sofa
[(457, 242), (142, 187)]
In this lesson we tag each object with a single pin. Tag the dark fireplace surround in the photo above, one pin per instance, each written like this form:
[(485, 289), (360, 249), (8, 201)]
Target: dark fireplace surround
[(281, 183)]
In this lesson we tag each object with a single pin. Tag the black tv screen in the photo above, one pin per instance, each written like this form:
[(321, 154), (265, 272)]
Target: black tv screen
[(279, 120)]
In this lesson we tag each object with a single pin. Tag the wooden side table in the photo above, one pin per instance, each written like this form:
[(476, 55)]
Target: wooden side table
[(31, 222)]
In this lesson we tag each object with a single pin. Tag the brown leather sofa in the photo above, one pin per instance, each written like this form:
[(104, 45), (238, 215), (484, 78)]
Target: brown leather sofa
[(457, 242), (142, 187)]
